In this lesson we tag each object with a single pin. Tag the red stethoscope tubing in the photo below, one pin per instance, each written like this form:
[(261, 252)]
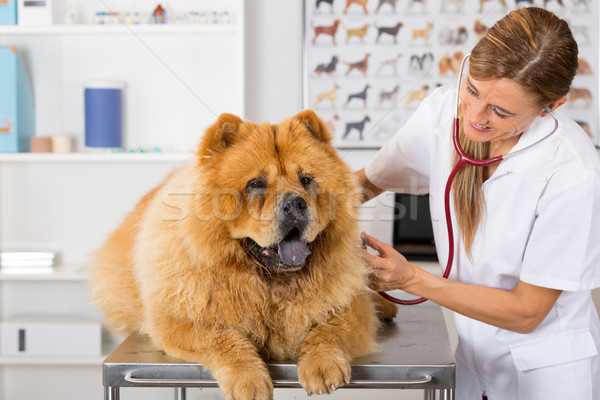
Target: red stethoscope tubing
[(463, 159)]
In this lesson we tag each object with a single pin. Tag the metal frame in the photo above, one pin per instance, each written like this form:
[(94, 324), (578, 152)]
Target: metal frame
[(415, 353)]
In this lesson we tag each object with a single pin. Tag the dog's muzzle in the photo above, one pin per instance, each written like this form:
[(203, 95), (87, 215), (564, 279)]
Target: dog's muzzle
[(293, 216)]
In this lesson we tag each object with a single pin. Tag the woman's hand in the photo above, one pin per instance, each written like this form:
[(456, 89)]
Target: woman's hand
[(390, 270), (521, 309)]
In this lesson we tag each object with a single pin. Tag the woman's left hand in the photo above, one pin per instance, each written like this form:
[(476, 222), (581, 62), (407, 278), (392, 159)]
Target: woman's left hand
[(390, 270)]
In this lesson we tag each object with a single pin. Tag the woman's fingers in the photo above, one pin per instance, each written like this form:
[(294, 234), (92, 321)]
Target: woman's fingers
[(375, 244)]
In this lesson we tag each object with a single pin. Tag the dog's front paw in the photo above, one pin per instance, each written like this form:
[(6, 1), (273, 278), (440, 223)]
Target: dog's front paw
[(245, 382), (385, 309), (323, 371)]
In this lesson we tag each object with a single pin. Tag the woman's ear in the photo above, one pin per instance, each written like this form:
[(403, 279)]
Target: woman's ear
[(553, 106)]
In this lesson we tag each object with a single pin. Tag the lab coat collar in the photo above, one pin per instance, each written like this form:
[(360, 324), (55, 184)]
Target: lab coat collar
[(534, 162)]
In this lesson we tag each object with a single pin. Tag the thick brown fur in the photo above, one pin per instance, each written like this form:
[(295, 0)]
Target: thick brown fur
[(179, 269)]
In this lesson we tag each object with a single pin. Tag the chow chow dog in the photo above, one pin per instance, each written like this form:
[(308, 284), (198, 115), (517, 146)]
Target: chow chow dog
[(249, 253)]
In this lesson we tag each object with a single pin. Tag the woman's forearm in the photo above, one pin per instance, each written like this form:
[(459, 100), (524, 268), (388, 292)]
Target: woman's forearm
[(521, 309), (369, 190)]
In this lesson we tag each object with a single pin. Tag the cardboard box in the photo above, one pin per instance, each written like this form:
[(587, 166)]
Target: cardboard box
[(50, 336), (8, 12), (17, 112), (34, 12)]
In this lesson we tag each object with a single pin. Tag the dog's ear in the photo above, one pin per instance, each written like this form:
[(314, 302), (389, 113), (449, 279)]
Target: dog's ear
[(314, 125), (218, 137)]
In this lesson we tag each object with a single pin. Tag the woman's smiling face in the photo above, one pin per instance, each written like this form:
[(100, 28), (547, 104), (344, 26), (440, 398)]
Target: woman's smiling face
[(496, 110)]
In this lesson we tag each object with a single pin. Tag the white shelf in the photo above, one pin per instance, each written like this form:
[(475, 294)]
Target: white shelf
[(118, 29), (94, 157), (107, 348), (70, 361)]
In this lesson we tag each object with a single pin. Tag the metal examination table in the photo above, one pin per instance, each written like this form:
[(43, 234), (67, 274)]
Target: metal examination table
[(415, 354)]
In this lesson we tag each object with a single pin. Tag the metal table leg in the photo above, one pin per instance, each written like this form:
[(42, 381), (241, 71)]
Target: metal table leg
[(429, 394), (447, 394), (111, 393), (180, 393)]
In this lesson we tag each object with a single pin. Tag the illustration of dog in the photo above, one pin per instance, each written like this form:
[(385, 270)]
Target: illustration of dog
[(577, 4), (450, 63), (422, 33), (390, 63), (584, 67), (581, 33), (328, 68), (502, 3), (360, 66), (266, 265), (359, 126), (520, 3), (358, 32), (582, 94), (458, 4), (362, 3), (330, 30), (389, 30), (389, 96), (421, 63), (449, 36), (331, 95), (362, 95), (417, 95), (392, 3), (479, 28), (318, 4), (560, 2)]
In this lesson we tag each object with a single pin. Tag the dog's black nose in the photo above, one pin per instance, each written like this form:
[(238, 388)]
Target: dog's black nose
[(293, 205), (293, 211)]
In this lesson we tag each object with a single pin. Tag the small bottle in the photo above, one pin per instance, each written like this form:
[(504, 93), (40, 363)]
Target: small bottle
[(224, 18), (69, 14)]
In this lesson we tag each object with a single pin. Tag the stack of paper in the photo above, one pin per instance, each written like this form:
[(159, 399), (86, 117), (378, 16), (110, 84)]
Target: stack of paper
[(27, 259)]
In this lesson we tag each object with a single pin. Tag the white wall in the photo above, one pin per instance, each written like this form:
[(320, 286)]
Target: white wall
[(273, 59)]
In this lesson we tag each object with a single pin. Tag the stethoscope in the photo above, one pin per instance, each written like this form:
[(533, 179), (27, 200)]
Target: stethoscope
[(464, 159)]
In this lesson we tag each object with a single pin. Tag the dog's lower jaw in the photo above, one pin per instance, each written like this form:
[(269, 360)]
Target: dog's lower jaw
[(269, 259)]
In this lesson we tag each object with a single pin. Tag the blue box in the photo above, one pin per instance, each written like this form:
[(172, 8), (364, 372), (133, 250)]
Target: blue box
[(17, 111), (8, 12)]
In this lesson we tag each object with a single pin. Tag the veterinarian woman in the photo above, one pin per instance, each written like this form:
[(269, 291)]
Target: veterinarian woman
[(527, 229)]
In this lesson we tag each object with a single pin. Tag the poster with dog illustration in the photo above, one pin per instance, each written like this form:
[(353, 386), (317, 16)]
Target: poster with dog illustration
[(369, 63)]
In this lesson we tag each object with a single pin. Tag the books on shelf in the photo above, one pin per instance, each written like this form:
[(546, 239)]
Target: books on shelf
[(33, 261)]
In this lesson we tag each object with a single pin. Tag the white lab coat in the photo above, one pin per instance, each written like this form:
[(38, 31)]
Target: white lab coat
[(541, 225)]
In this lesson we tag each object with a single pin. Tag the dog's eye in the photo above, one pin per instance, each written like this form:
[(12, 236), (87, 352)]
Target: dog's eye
[(306, 179), (256, 184)]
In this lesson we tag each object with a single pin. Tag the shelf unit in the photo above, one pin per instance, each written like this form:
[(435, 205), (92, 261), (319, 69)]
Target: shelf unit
[(179, 78), (93, 157), (160, 29)]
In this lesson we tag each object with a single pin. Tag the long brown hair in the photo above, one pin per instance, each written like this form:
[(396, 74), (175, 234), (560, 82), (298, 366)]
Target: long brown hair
[(533, 48)]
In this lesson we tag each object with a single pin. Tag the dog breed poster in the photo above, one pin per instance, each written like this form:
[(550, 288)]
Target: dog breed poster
[(369, 63)]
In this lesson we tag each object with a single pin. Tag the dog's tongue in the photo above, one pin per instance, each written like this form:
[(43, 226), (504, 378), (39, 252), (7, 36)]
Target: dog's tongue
[(293, 251)]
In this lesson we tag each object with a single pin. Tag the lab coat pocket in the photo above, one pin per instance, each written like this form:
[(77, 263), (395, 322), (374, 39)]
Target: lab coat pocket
[(556, 368), (563, 348)]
